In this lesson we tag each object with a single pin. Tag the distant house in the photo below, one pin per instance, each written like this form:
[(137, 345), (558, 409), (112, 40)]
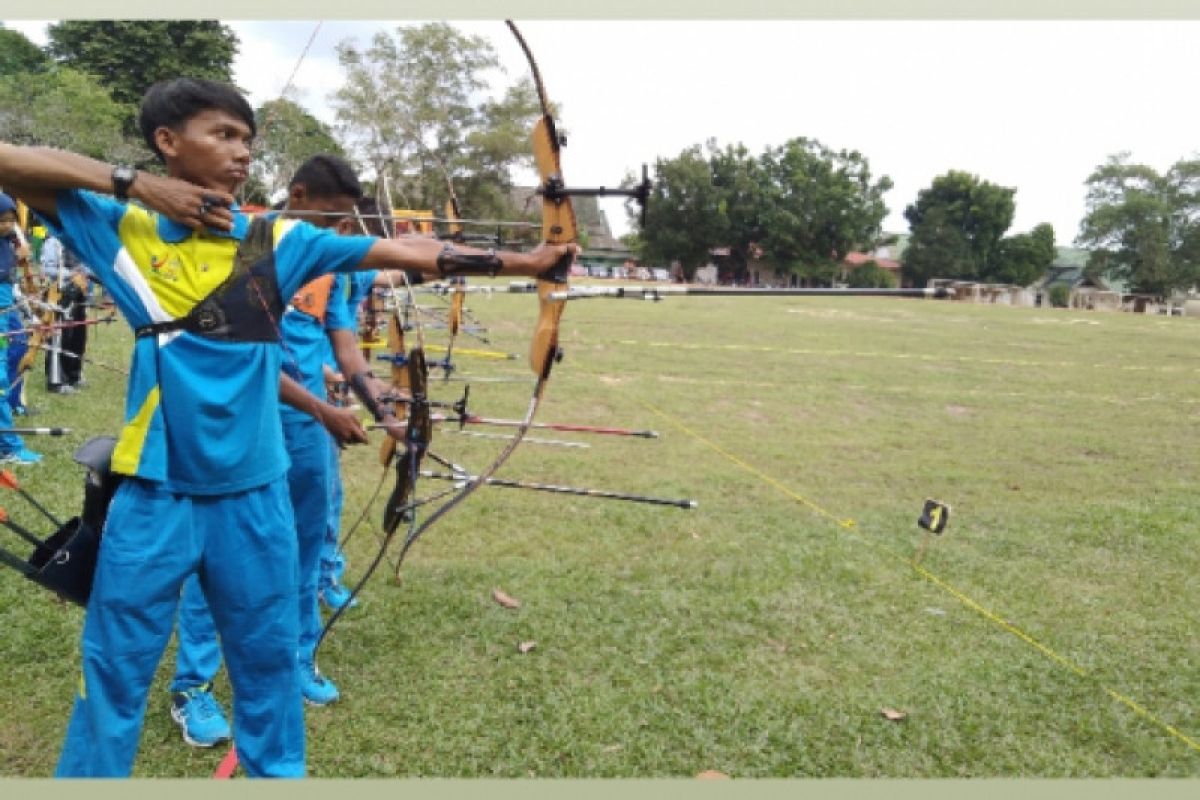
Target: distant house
[(1085, 291), (590, 218), (854, 260)]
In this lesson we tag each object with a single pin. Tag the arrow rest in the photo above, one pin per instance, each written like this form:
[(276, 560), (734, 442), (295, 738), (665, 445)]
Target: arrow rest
[(460, 407)]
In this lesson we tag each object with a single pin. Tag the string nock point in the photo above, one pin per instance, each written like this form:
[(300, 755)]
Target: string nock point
[(934, 516)]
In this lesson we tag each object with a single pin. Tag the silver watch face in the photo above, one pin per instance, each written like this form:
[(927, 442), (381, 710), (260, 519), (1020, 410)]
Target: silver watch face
[(122, 177)]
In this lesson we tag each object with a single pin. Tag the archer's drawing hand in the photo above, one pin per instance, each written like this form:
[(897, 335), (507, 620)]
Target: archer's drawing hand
[(184, 202), (343, 425)]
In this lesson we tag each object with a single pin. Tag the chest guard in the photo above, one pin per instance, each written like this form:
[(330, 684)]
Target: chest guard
[(313, 297), (246, 306)]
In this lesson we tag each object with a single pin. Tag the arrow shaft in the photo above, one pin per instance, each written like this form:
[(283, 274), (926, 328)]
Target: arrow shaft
[(23, 533), (471, 419), (556, 489), (527, 440), (55, 327)]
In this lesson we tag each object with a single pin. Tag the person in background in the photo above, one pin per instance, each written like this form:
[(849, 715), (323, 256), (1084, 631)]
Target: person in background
[(69, 278), (13, 254)]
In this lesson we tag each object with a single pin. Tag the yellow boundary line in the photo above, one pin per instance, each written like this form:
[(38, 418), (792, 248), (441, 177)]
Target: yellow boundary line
[(849, 524)]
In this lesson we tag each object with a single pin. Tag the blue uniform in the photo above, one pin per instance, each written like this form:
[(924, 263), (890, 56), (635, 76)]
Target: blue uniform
[(205, 494), (305, 344), (333, 562)]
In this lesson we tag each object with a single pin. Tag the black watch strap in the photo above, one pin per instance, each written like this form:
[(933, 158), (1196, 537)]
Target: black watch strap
[(122, 178)]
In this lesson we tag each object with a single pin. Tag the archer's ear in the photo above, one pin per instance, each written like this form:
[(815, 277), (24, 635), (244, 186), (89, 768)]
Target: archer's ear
[(297, 194), (166, 140)]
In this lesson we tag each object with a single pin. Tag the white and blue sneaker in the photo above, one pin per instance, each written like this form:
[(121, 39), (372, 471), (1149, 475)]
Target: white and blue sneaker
[(22, 456), (199, 716), (316, 688), (335, 596)]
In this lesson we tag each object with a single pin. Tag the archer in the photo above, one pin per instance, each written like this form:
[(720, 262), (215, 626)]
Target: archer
[(205, 489)]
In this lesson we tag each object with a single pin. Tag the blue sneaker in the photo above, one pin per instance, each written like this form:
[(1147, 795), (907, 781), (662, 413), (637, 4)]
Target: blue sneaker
[(335, 596), (22, 456), (199, 716), (316, 688)]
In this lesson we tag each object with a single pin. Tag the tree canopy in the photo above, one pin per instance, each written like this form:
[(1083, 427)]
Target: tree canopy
[(288, 135), (415, 108), (957, 224), (19, 55), (127, 56), (1144, 227), (801, 206), (67, 109)]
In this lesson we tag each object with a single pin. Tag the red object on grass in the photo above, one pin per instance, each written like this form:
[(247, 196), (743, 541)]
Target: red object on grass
[(227, 766)]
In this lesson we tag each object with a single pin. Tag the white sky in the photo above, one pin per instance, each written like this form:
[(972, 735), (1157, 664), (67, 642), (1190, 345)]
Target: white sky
[(1034, 105)]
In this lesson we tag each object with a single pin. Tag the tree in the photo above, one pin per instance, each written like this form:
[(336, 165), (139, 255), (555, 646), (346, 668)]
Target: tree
[(413, 108), (742, 188), (127, 56), (821, 204), (287, 136), (956, 225), (1025, 257), (19, 55), (1144, 227), (685, 213), (1060, 296), (66, 109), (801, 206), (870, 276)]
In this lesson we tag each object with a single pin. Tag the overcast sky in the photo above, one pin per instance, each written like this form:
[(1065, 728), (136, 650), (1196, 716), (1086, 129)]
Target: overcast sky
[(1033, 105)]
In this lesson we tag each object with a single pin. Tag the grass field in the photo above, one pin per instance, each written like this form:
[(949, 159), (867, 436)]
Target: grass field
[(1051, 631)]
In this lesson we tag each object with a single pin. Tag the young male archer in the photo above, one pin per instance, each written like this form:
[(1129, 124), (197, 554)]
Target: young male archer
[(205, 489)]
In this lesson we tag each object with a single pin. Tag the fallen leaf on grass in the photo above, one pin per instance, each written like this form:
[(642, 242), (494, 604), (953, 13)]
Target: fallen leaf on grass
[(892, 714), (504, 600), (525, 647), (712, 775)]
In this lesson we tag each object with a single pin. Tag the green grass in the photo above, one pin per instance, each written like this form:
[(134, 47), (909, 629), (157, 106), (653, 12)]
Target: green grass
[(1050, 632)]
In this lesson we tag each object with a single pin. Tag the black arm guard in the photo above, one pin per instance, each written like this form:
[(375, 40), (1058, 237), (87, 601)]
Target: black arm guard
[(358, 385), (452, 262)]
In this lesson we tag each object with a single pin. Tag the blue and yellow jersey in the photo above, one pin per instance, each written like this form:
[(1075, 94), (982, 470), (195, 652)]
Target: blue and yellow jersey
[(201, 415)]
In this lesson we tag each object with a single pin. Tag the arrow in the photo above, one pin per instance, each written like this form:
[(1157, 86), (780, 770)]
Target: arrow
[(572, 490)]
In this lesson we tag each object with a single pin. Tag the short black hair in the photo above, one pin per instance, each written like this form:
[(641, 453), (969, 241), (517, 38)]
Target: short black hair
[(172, 103), (326, 176), (373, 219)]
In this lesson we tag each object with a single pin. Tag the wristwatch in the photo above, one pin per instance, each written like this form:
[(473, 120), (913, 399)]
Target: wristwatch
[(123, 177)]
